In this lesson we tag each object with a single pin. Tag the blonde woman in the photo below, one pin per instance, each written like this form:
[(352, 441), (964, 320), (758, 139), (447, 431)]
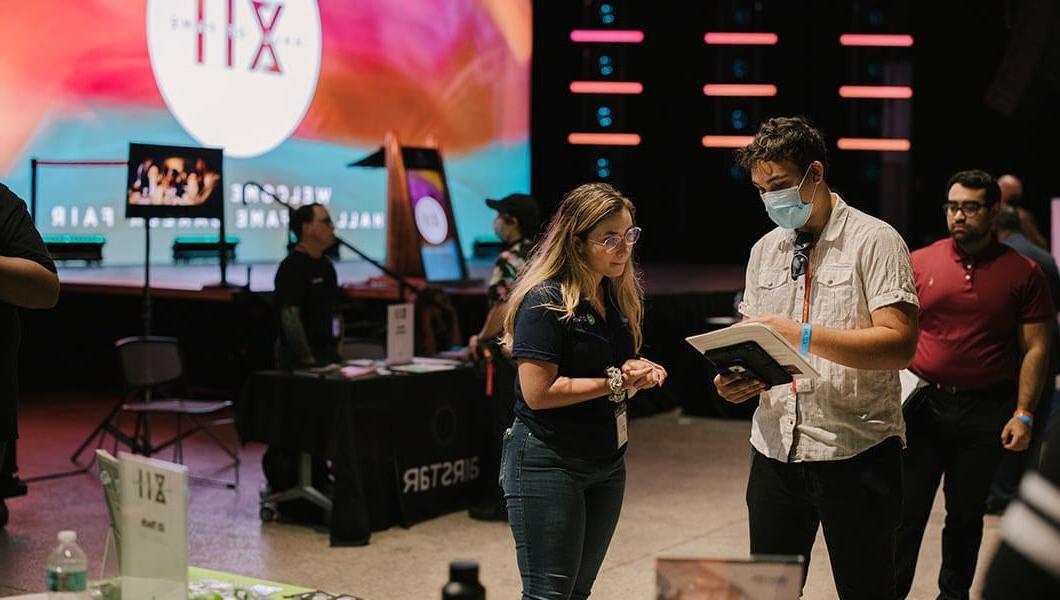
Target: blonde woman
[(574, 329)]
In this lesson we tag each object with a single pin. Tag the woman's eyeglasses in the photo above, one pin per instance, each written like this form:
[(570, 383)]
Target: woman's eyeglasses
[(611, 243)]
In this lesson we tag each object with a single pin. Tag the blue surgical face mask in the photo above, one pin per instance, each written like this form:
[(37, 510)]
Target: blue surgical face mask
[(785, 206)]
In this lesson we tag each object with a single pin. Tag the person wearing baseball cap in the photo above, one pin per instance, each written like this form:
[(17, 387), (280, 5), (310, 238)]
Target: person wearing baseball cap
[(516, 224)]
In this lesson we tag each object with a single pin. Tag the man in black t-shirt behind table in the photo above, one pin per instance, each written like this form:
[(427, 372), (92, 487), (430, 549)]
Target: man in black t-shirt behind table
[(307, 296), (27, 280), (307, 293)]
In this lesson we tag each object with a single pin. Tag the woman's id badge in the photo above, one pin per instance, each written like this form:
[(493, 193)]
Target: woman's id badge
[(621, 424)]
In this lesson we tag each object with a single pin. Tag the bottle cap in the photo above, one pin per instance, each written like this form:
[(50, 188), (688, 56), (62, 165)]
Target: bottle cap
[(67, 536), (463, 571)]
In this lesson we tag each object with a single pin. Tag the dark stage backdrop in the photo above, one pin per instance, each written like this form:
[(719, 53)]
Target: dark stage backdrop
[(984, 79)]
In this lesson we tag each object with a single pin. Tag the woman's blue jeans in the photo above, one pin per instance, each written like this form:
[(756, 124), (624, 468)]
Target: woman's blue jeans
[(562, 511)]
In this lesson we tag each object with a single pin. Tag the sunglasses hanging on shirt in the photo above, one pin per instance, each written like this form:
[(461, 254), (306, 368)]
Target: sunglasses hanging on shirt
[(801, 259)]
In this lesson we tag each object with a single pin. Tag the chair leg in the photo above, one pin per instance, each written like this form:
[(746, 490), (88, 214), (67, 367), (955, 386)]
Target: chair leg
[(148, 450), (99, 434), (100, 431), (233, 454), (178, 446)]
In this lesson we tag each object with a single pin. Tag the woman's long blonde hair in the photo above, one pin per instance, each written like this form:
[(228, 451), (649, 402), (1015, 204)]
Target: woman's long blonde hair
[(557, 257)]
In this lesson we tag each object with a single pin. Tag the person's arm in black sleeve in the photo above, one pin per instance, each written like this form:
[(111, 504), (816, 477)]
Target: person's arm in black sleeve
[(27, 273)]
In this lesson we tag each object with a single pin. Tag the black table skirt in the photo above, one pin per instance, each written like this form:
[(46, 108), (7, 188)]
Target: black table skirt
[(404, 448)]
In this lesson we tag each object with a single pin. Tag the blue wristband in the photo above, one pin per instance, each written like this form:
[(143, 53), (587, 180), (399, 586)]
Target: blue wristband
[(806, 330), (1029, 422)]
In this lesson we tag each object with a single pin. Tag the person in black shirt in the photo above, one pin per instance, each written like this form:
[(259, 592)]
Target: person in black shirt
[(27, 280), (1007, 227), (307, 293), (516, 224), (574, 329)]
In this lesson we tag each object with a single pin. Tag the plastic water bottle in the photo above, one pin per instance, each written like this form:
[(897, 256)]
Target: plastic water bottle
[(67, 570), (463, 582)]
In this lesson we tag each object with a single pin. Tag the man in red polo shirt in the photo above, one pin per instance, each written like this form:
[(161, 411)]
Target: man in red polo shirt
[(985, 319)]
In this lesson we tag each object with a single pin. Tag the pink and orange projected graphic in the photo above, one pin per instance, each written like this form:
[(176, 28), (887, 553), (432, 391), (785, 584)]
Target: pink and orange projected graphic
[(291, 90)]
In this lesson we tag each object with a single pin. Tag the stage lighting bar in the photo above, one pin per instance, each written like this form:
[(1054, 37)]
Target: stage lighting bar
[(734, 38), (607, 36), (604, 139), (606, 87), (876, 40), (740, 89), (726, 141), (874, 144), (888, 92)]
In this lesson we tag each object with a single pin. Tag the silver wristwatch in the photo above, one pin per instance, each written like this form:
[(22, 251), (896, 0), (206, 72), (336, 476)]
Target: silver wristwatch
[(615, 381)]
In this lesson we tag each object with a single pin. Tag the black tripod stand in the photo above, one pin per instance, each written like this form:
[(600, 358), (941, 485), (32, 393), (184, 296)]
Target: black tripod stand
[(105, 427)]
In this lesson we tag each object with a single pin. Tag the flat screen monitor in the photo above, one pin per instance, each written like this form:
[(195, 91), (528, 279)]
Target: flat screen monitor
[(174, 181), (432, 210)]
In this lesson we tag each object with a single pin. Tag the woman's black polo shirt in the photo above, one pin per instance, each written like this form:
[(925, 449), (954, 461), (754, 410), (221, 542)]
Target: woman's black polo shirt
[(582, 346)]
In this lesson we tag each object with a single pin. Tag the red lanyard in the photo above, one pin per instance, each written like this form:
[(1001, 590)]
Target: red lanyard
[(806, 294), (487, 356), (805, 301)]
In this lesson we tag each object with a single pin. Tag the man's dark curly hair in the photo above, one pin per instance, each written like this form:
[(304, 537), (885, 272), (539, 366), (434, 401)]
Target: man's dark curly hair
[(975, 179), (785, 138)]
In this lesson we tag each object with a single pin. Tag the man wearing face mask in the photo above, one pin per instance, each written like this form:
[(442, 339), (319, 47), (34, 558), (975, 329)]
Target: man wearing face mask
[(516, 224), (983, 354), (838, 285)]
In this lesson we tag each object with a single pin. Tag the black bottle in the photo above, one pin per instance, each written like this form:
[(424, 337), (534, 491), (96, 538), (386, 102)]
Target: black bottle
[(463, 582)]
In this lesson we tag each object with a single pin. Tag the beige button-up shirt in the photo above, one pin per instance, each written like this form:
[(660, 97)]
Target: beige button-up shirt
[(860, 264)]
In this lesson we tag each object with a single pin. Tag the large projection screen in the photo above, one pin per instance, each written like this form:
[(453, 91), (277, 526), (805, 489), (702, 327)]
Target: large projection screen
[(291, 90)]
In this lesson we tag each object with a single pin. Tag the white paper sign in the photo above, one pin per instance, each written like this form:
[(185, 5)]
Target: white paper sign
[(763, 578), (399, 333), (154, 528)]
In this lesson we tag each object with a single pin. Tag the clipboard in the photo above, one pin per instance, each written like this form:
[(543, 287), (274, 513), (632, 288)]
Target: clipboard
[(753, 350)]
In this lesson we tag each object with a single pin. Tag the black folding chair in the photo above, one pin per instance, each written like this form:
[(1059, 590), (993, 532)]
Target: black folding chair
[(150, 365)]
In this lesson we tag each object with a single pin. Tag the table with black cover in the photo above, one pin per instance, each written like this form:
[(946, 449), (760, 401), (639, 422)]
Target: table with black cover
[(404, 447)]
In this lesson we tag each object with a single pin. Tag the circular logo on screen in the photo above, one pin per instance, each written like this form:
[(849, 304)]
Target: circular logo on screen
[(238, 74), (431, 220)]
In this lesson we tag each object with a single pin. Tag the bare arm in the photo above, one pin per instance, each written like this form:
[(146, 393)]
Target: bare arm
[(294, 333), (889, 343), (27, 284), (494, 321), (1034, 340), (543, 389), (493, 325)]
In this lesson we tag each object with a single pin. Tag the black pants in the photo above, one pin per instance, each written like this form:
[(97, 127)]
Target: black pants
[(857, 501), (498, 414), (959, 437)]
